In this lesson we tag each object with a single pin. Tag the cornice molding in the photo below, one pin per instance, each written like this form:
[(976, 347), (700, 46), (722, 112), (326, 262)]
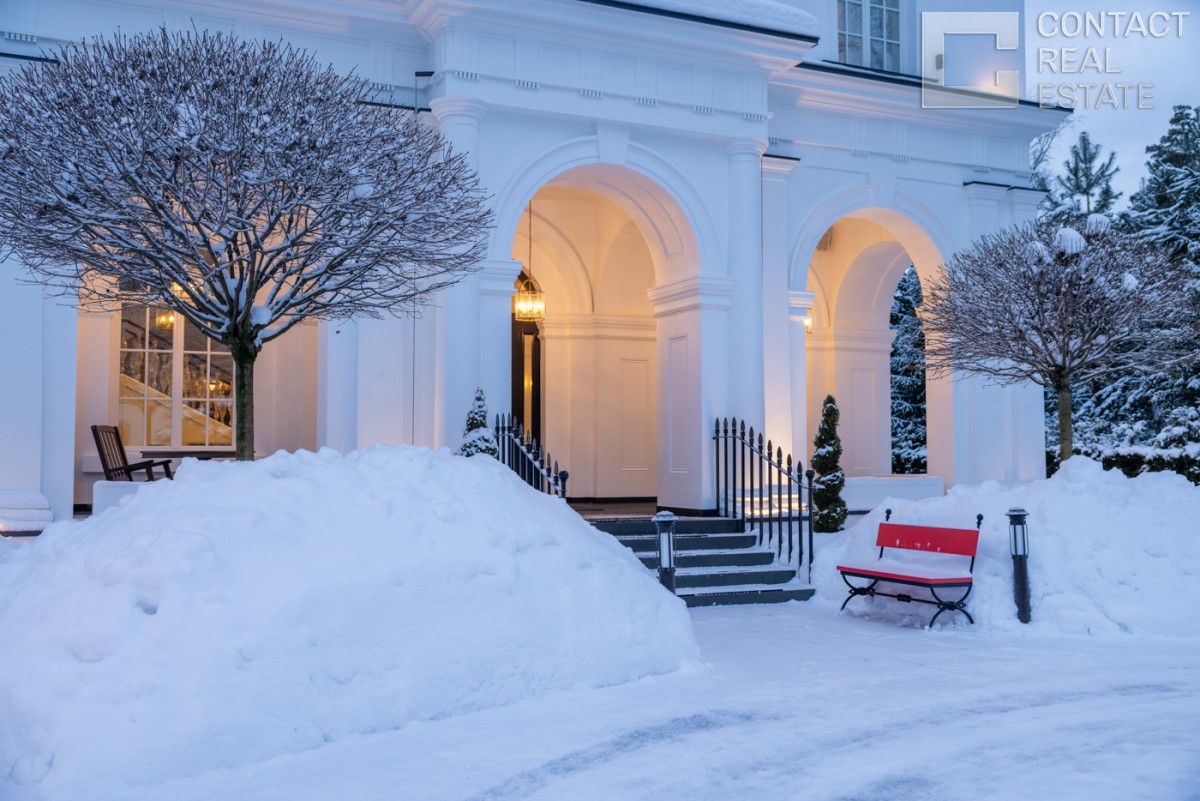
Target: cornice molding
[(697, 292)]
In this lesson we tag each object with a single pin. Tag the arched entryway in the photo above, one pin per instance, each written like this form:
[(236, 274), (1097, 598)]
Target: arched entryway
[(596, 239), (593, 363), (853, 273)]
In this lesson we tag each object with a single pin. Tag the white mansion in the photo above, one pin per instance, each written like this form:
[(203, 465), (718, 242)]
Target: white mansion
[(716, 198)]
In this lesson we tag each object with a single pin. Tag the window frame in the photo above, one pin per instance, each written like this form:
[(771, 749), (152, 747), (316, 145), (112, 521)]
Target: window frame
[(176, 400), (864, 35)]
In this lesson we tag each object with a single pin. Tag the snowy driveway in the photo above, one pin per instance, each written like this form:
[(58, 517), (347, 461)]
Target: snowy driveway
[(798, 703)]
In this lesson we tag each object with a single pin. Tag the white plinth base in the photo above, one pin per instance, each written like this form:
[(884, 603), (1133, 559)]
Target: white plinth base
[(107, 494), (24, 511), (864, 493)]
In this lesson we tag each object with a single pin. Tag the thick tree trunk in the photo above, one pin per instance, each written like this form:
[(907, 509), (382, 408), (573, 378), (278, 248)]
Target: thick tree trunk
[(1066, 434), (243, 369)]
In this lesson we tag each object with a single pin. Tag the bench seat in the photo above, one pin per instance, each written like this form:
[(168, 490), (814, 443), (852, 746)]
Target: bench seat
[(909, 573)]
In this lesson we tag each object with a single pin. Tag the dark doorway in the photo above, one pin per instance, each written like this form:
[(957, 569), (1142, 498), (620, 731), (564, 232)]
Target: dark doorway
[(527, 375)]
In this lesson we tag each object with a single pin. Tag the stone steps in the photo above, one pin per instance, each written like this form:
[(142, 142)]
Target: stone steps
[(717, 563)]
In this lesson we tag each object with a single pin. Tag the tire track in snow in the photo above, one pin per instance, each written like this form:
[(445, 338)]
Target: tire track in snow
[(525, 784)]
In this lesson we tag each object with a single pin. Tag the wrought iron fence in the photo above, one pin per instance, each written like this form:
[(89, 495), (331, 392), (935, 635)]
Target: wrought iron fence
[(524, 456), (757, 484)]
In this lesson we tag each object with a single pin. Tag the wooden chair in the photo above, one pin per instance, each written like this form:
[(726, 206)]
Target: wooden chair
[(112, 457)]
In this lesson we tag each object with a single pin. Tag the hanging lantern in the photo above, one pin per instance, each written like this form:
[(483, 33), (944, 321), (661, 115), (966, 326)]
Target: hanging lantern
[(529, 304)]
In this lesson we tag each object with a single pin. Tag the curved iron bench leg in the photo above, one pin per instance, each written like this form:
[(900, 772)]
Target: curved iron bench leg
[(867, 590), (946, 606)]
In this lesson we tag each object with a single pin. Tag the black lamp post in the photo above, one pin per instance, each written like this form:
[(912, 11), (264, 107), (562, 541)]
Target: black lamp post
[(1018, 545), (665, 523)]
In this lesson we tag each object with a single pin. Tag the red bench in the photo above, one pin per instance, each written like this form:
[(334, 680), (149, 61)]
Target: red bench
[(939, 568)]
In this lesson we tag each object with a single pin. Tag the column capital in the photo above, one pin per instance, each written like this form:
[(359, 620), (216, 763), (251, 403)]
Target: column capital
[(1024, 202), (799, 301), (458, 110), (746, 148), (982, 192), (697, 292), (498, 277), (778, 168)]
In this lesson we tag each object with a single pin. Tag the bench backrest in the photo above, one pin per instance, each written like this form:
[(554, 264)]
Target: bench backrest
[(960, 541)]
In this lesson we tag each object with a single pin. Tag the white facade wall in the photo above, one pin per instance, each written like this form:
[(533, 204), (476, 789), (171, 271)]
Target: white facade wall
[(709, 169)]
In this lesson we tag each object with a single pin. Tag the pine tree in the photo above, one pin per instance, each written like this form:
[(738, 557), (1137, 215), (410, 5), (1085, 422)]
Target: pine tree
[(1084, 188), (908, 378), (827, 487), (1167, 207), (478, 438)]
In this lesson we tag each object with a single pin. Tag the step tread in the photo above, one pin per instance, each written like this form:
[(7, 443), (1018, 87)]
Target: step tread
[(719, 570), (721, 552), (749, 594), (738, 588)]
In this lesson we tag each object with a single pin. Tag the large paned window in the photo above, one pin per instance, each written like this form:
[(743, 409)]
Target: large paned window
[(869, 33), (175, 384)]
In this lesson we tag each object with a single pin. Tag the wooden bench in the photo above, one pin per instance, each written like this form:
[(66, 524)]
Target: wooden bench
[(112, 457), (941, 566)]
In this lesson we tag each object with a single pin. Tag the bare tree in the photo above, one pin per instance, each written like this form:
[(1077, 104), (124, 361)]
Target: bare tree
[(240, 184), (1057, 306)]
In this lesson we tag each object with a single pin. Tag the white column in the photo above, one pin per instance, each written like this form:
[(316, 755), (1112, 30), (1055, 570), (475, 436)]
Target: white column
[(496, 282), (799, 306), (59, 327), (37, 409), (457, 374), (778, 358), (745, 267), (337, 385), (979, 431), (693, 386)]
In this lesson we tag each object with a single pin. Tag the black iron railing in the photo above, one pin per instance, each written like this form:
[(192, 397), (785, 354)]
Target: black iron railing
[(522, 454), (757, 484)]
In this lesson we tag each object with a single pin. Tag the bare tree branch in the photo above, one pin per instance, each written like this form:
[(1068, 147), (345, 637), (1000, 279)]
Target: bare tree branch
[(1057, 306), (240, 184)]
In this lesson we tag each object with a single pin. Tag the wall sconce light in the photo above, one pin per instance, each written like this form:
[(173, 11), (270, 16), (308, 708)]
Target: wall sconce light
[(808, 324), (165, 320)]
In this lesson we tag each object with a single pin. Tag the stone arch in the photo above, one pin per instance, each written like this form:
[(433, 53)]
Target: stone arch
[(671, 215), (921, 232), (605, 235), (851, 256)]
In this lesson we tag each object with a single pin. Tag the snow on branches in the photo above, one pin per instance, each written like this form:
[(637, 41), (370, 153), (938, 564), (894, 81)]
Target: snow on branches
[(227, 174), (241, 184), (1058, 306)]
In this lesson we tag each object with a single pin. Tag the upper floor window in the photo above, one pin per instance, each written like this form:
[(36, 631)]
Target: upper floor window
[(869, 33), (175, 384)]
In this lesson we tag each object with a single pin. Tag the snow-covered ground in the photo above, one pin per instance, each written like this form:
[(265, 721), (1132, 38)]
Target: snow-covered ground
[(350, 627), (796, 703)]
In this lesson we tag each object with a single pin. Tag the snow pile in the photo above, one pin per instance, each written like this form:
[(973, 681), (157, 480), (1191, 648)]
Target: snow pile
[(1107, 554), (248, 610)]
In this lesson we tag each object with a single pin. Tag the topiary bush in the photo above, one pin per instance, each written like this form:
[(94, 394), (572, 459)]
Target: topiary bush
[(478, 438), (827, 487)]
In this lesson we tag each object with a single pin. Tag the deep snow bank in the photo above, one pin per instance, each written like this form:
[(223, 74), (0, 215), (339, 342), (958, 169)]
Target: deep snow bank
[(246, 610), (1107, 554)]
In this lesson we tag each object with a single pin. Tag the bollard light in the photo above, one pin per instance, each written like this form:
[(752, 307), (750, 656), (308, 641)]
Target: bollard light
[(665, 523), (1018, 546)]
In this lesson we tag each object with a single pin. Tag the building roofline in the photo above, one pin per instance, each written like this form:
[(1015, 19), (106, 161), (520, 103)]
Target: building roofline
[(738, 26), (904, 79)]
